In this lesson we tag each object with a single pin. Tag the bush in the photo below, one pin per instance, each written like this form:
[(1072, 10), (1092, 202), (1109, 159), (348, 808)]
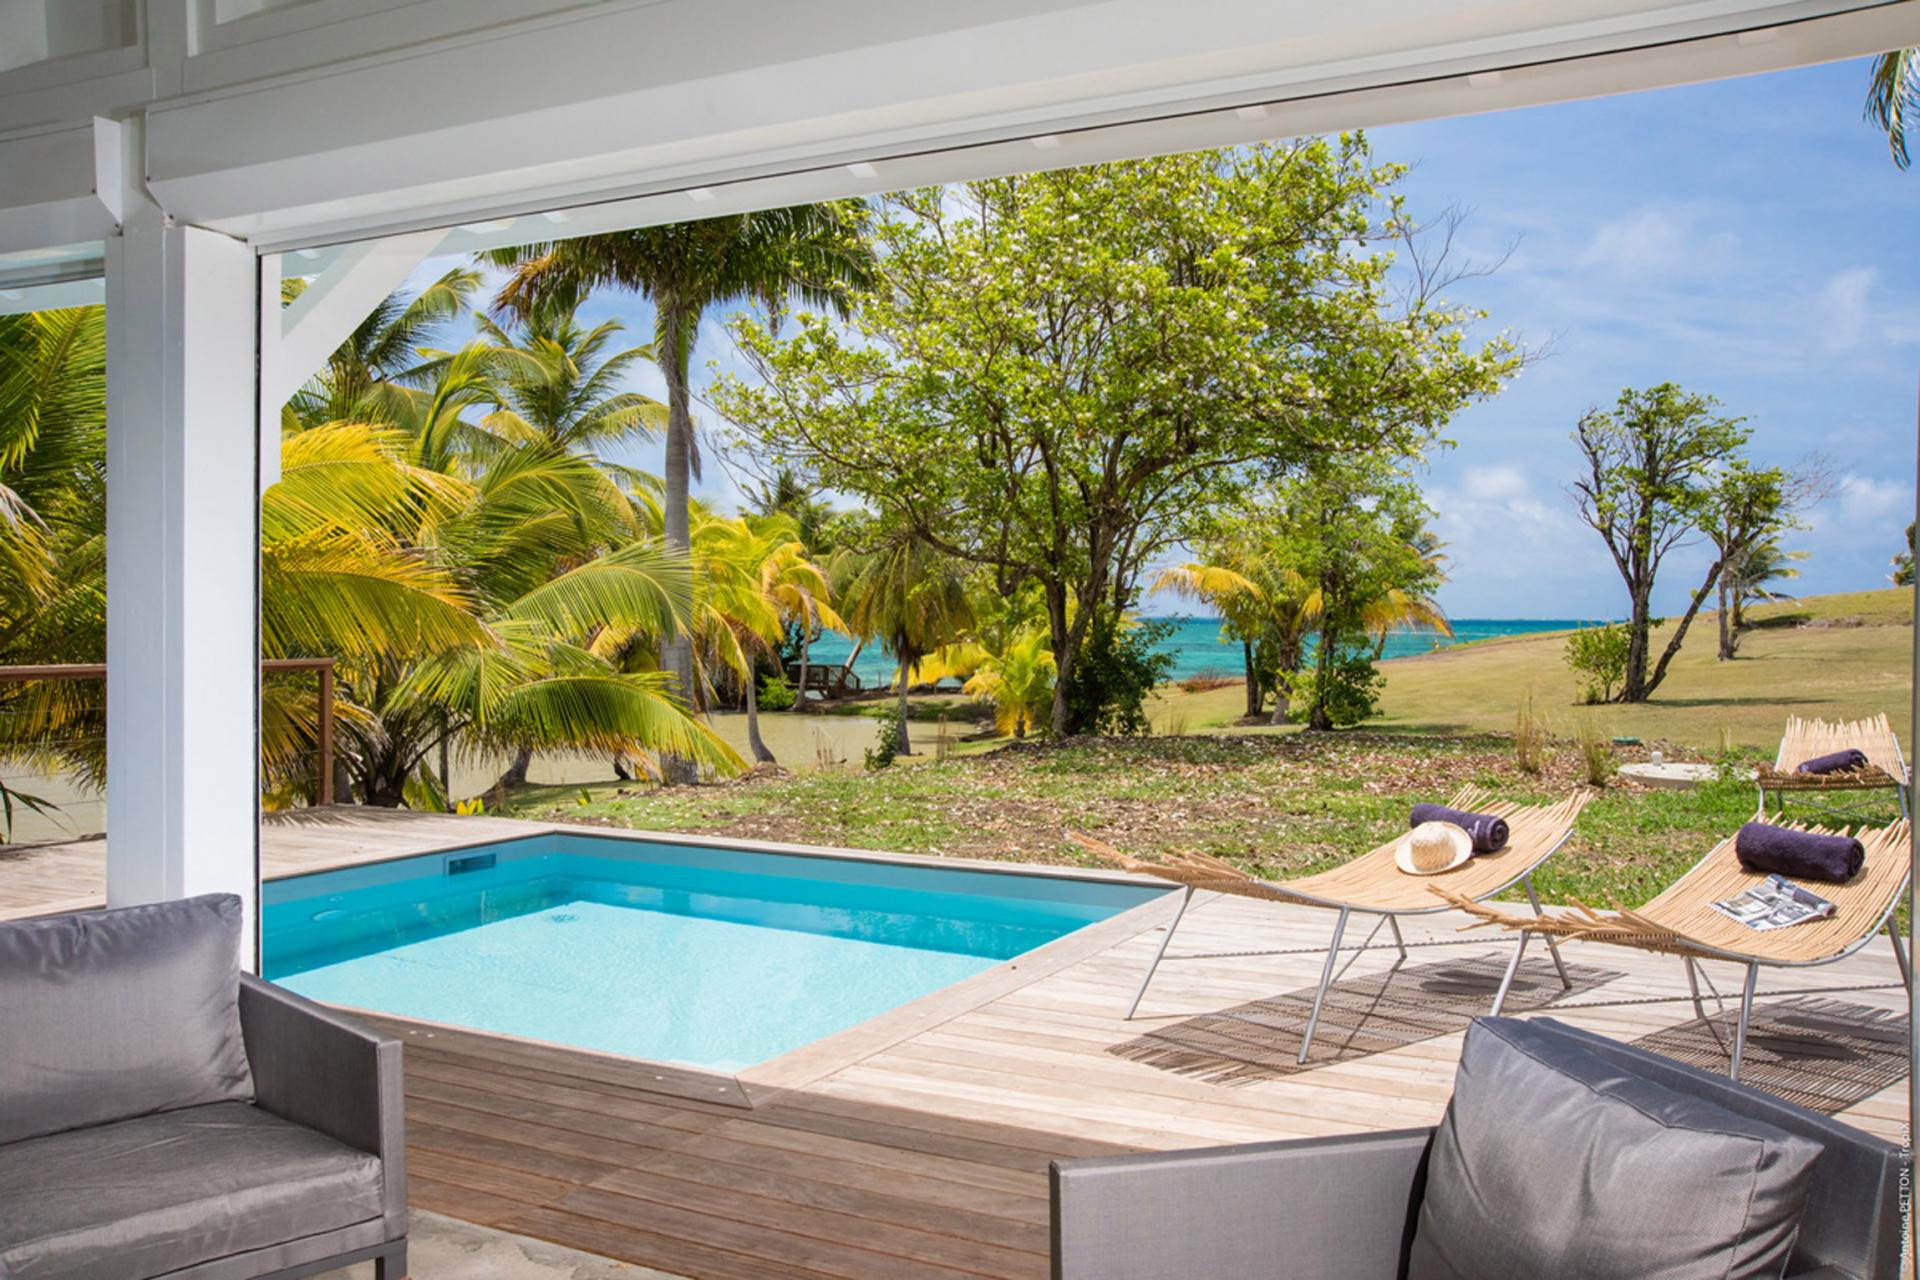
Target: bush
[(1114, 675), (887, 746), (1351, 692), (1599, 655), (776, 694)]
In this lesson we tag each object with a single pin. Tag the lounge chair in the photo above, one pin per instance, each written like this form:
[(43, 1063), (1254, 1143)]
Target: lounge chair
[(1373, 884), (1681, 920), (1885, 770)]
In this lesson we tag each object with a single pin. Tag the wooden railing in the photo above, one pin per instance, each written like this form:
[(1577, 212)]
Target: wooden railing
[(323, 666)]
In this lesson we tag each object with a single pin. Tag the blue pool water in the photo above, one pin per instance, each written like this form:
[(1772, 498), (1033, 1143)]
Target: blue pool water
[(711, 957)]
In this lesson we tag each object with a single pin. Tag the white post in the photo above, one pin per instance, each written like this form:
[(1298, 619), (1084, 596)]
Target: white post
[(182, 564)]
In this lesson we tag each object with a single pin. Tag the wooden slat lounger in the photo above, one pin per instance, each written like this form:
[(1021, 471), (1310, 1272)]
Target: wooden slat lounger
[(1886, 768), (1373, 884), (1681, 920)]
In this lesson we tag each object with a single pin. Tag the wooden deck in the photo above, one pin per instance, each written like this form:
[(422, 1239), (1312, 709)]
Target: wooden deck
[(923, 1151)]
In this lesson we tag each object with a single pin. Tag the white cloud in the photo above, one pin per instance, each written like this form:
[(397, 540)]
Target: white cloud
[(1841, 309), (1865, 499), (1660, 239)]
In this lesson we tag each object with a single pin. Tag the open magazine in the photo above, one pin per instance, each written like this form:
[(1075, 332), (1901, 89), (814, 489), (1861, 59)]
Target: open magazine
[(1775, 903)]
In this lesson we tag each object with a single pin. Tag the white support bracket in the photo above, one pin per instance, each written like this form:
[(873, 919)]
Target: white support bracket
[(296, 339)]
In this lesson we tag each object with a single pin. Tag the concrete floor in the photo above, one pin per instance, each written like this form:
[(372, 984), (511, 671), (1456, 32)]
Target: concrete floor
[(444, 1249)]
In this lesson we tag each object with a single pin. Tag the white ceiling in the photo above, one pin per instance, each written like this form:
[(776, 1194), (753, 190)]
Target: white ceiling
[(303, 122)]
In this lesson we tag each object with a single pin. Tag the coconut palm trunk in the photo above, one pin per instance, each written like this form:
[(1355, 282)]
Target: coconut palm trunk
[(761, 754), (1254, 695), (806, 651), (676, 656), (906, 670)]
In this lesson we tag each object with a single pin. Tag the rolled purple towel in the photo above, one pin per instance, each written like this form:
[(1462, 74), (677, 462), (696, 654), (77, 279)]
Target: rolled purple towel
[(1488, 832), (1834, 762), (1803, 855)]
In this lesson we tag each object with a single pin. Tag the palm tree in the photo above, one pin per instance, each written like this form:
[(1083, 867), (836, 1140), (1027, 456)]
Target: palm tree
[(786, 493), (1012, 670), (383, 354), (1893, 91), (555, 380), (816, 253), (910, 598), (1262, 603), (755, 576), (1239, 601)]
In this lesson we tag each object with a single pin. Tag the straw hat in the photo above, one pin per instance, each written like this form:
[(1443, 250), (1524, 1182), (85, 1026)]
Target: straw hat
[(1433, 847)]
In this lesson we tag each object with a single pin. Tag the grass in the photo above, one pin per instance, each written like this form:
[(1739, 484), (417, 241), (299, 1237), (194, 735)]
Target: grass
[(1837, 657), (1283, 802), (1279, 805)]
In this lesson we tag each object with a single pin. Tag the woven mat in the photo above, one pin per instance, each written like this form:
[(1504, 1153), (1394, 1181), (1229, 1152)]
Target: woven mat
[(1827, 1055), (1365, 1015)]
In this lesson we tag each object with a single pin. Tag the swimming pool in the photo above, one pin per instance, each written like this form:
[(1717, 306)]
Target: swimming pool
[(700, 955)]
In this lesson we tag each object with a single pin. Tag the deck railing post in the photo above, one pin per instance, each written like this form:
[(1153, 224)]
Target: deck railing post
[(326, 734)]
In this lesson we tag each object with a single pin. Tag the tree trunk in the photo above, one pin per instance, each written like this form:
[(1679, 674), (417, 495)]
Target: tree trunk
[(516, 774), (1285, 664), (1255, 698), (806, 649), (1060, 638), (905, 746), (754, 741), (676, 656), (1680, 632), (1319, 717), (1726, 624), (1633, 683)]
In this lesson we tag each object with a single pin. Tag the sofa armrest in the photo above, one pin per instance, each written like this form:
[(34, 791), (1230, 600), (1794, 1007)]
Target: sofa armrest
[(326, 1072), (1314, 1209)]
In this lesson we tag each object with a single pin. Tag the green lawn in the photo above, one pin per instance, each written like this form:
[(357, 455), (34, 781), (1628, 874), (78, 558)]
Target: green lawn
[(1854, 660)]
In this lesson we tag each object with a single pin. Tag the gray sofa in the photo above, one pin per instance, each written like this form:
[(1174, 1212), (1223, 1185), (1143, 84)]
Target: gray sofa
[(1350, 1208), (164, 1115)]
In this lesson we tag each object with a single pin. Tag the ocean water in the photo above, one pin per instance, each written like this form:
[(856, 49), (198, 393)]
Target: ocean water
[(1197, 647)]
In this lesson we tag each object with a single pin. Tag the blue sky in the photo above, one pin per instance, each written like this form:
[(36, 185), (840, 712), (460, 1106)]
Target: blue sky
[(1746, 238)]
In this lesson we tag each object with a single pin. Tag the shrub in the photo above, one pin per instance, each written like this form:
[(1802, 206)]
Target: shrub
[(1114, 675), (1599, 656), (776, 694), (887, 746), (1529, 738), (1351, 692)]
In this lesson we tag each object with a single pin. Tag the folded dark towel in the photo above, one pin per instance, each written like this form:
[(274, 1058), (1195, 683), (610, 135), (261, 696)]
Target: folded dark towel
[(1488, 832), (1834, 762), (1803, 855)]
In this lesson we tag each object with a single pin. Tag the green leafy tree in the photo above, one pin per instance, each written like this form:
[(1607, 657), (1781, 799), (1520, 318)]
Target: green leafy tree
[(1059, 373), (1356, 532), (1653, 464), (816, 253), (1747, 508)]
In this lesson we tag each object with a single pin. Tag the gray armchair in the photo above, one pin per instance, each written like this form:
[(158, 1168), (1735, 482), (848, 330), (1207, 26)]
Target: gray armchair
[(164, 1115), (1347, 1208)]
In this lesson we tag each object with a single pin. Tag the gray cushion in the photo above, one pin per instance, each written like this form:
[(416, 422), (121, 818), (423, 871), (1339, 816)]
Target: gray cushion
[(150, 1196), (1552, 1161), (111, 1014)]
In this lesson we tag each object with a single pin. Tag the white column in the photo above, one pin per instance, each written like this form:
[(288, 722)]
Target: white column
[(182, 564)]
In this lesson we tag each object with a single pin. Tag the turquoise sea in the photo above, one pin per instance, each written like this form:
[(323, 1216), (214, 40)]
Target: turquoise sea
[(1197, 647)]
